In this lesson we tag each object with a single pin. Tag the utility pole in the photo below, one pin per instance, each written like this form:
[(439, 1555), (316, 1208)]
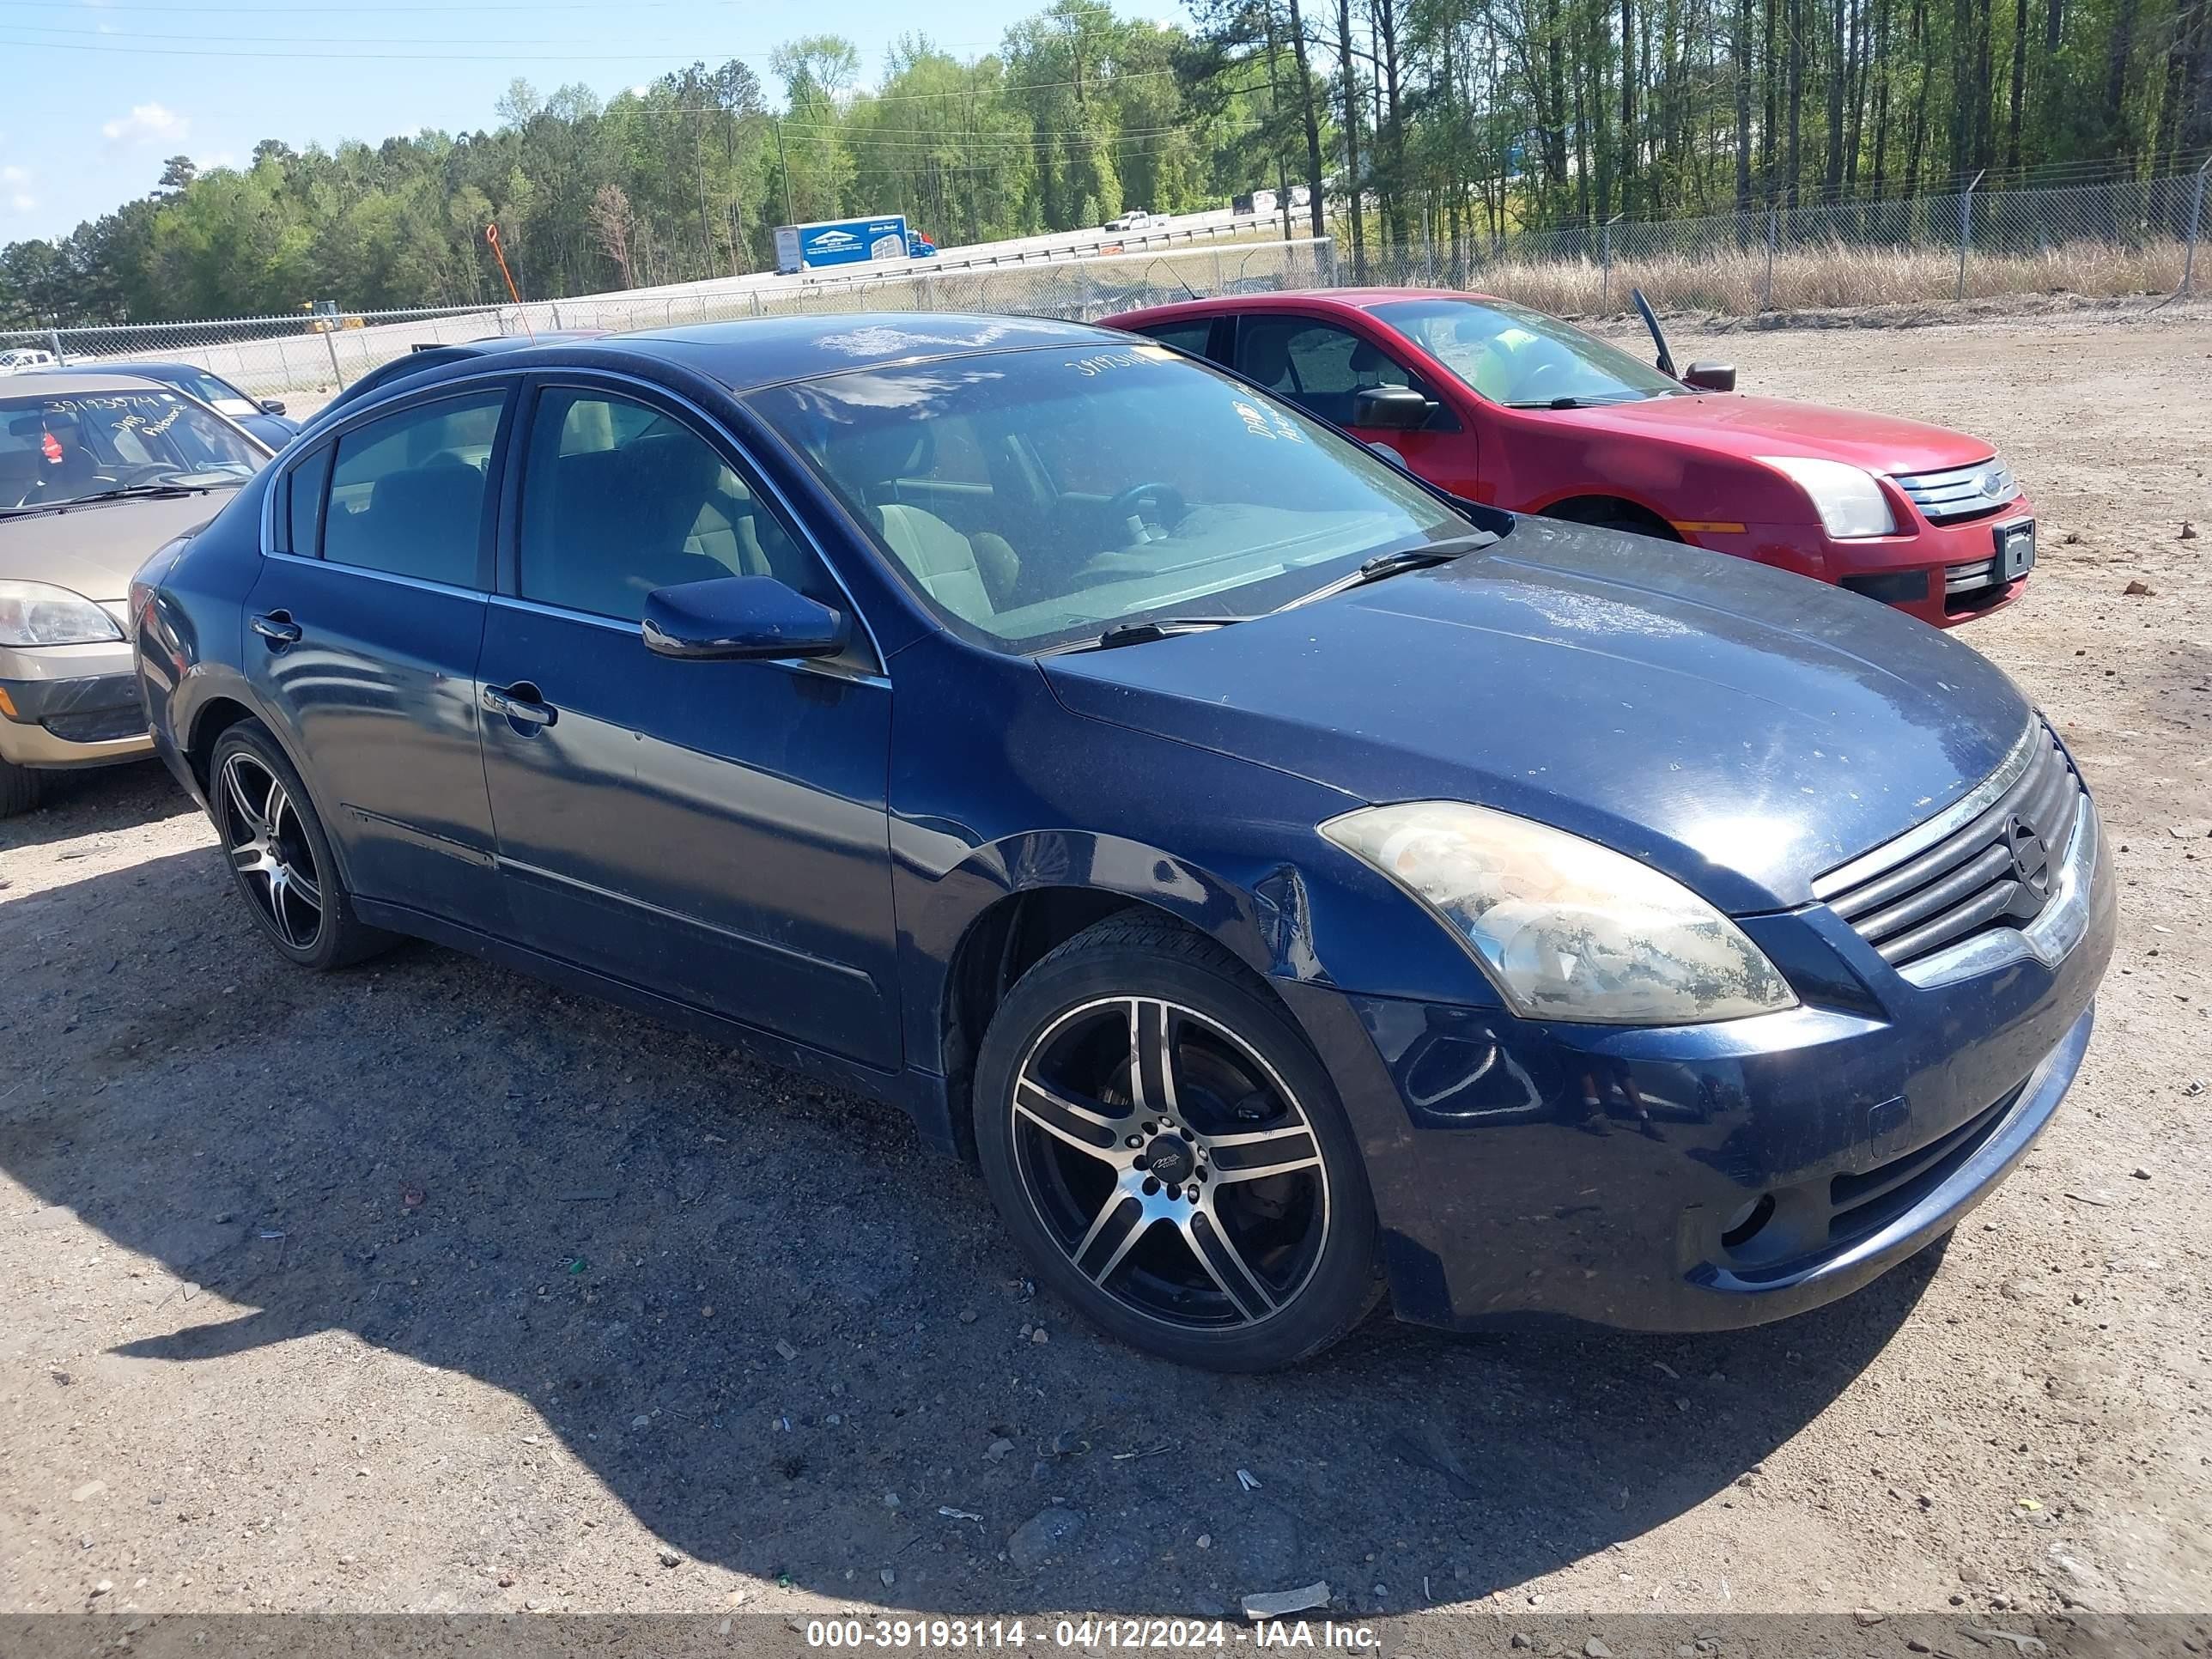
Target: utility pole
[(784, 162)]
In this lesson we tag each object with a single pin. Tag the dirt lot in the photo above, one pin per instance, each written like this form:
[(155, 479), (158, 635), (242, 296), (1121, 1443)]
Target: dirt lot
[(425, 1287)]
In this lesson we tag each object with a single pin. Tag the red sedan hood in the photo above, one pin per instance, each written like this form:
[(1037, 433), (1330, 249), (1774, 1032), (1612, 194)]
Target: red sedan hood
[(1740, 426)]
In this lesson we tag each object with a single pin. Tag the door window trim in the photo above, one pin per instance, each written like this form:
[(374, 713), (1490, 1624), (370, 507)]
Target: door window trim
[(726, 447), (280, 510)]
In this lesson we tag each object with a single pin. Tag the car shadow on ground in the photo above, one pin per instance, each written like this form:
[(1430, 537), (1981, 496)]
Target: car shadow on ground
[(633, 1230)]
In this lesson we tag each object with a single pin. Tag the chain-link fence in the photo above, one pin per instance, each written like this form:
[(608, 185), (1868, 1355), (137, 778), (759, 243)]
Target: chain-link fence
[(2137, 236), (272, 356), (2134, 236)]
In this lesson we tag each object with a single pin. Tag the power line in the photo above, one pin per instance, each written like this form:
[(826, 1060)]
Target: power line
[(352, 11), (117, 38), (349, 57), (436, 51)]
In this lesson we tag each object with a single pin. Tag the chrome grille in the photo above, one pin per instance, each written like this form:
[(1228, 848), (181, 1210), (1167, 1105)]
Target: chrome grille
[(1990, 862), (1961, 492), (1965, 578)]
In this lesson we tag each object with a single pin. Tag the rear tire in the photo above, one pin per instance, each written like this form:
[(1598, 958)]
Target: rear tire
[(19, 788), (279, 856), (1170, 1155)]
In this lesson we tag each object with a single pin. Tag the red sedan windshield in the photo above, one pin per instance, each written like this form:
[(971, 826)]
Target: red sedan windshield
[(1522, 358)]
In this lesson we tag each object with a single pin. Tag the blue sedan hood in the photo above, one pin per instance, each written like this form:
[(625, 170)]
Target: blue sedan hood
[(1740, 729)]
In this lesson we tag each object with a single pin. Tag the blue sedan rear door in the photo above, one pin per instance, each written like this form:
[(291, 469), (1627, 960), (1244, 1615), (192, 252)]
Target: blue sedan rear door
[(366, 621)]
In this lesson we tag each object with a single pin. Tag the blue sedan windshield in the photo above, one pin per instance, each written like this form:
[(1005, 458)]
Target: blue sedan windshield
[(1033, 498)]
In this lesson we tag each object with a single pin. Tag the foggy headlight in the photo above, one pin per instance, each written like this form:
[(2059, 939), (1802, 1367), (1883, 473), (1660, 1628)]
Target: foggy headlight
[(1849, 503), (1566, 929), (39, 613)]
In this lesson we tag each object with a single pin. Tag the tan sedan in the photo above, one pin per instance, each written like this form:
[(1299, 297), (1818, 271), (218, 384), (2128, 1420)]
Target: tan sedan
[(96, 472)]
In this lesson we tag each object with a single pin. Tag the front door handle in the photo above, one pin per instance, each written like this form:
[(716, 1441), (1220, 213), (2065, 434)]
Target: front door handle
[(277, 626), (520, 703)]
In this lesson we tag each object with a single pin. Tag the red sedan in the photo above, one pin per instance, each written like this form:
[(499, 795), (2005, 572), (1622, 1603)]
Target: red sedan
[(1503, 405)]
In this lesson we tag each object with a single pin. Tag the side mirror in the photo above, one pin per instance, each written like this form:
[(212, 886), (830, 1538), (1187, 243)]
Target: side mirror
[(272, 405), (1711, 377), (735, 617), (1390, 409)]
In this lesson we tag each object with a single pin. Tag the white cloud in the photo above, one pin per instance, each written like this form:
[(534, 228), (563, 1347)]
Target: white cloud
[(22, 201), (148, 124), (14, 176)]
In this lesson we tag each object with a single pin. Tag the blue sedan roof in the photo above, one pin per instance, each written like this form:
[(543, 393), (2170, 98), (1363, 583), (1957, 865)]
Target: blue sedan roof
[(754, 352)]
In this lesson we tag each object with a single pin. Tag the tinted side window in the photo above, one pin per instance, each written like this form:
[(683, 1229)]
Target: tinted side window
[(301, 531), (407, 492), (619, 499), (1317, 366), (1189, 338)]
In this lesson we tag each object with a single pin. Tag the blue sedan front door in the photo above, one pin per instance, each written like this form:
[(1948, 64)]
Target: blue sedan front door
[(712, 831)]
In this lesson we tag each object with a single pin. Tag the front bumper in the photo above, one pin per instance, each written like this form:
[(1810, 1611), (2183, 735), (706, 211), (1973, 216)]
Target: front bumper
[(1703, 1177), (1938, 572), (70, 707)]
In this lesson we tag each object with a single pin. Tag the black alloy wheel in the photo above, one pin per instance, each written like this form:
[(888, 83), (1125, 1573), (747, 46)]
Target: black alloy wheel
[(1171, 1155), (278, 854)]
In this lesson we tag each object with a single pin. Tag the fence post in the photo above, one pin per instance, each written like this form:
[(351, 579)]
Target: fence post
[(54, 335), (331, 343), (1604, 260), (1967, 230), (1773, 223), (2196, 214)]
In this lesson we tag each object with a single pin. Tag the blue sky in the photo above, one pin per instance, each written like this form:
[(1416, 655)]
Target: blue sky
[(98, 92)]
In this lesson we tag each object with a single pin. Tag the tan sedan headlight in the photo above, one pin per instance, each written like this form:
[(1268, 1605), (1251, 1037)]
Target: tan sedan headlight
[(1566, 929), (39, 613)]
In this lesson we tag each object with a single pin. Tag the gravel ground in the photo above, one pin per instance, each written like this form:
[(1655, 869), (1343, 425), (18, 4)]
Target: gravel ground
[(423, 1287)]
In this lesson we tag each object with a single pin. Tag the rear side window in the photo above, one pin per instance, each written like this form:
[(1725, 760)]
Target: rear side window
[(407, 492), (303, 512), (1188, 338)]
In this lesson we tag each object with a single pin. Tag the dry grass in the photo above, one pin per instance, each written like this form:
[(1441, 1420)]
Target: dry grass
[(1733, 282)]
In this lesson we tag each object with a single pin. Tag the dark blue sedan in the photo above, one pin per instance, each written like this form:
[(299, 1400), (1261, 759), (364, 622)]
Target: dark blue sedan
[(1288, 883), (264, 417)]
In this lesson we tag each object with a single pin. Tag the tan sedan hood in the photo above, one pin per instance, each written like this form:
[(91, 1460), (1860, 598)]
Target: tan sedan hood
[(95, 550)]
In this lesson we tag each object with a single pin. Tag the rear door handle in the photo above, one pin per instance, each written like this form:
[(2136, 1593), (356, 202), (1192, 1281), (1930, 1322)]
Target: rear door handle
[(520, 703), (277, 627)]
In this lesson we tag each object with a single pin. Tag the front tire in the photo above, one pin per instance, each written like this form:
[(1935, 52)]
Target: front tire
[(279, 856), (19, 788), (1170, 1154)]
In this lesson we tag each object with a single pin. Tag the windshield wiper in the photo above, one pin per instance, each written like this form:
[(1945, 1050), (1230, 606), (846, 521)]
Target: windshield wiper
[(1609, 401), (131, 492), (1144, 633), (1392, 564)]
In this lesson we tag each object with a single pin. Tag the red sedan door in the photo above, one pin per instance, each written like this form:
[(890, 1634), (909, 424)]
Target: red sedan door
[(1322, 365)]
